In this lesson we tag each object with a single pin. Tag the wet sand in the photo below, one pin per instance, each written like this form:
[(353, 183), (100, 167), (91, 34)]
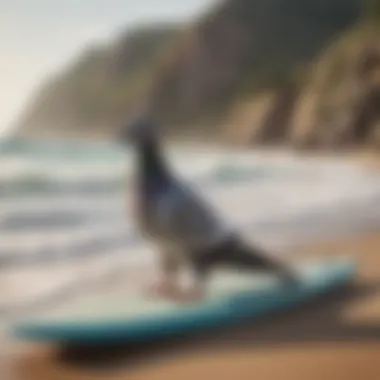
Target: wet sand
[(337, 337)]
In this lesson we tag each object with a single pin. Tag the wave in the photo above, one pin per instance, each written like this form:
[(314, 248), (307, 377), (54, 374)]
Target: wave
[(34, 185), (59, 150), (47, 169), (321, 220), (41, 183), (40, 169), (64, 202), (74, 203)]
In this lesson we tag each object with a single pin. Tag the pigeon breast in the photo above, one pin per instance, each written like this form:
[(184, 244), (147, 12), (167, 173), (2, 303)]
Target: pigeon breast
[(178, 220)]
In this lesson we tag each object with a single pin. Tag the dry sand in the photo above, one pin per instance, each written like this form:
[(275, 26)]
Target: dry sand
[(335, 338)]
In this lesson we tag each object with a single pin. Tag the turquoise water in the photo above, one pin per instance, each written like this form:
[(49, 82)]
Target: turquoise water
[(61, 150), (68, 199), (43, 168), (71, 189)]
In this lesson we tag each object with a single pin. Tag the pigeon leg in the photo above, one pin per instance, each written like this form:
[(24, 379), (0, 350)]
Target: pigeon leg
[(167, 285)]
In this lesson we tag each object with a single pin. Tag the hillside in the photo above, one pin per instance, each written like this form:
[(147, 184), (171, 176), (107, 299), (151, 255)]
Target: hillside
[(100, 87), (249, 71), (245, 47)]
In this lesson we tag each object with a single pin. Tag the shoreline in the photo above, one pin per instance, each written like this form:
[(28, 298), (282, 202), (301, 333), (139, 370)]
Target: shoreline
[(361, 154), (318, 342), (321, 340)]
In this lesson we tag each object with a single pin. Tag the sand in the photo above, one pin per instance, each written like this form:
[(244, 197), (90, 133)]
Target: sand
[(337, 337)]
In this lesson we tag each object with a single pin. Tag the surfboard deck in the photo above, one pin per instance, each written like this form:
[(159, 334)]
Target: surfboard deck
[(232, 297)]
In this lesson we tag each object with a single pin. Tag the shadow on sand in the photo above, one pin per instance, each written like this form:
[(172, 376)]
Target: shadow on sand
[(318, 321)]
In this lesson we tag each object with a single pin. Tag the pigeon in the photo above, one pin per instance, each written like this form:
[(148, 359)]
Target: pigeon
[(181, 224)]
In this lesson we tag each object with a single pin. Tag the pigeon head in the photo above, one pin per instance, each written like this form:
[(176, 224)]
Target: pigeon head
[(139, 130)]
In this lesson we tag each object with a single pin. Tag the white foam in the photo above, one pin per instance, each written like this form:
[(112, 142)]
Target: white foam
[(298, 199)]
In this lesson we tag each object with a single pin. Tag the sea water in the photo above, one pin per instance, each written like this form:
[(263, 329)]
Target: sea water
[(65, 217)]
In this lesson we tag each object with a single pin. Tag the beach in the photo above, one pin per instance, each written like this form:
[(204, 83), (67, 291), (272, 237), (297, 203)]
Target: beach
[(336, 337), (115, 112), (72, 233)]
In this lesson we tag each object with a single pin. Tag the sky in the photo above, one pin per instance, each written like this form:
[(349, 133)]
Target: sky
[(38, 37)]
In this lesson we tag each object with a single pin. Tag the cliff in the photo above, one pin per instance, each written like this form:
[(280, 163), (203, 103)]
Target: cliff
[(99, 88), (303, 72)]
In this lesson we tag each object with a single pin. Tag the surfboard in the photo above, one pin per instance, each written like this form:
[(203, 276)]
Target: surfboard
[(233, 296)]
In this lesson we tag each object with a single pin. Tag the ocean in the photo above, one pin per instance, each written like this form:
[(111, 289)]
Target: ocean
[(65, 208)]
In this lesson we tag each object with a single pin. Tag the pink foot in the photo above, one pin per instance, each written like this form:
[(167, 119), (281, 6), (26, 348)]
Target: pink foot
[(163, 288), (193, 295), (171, 290)]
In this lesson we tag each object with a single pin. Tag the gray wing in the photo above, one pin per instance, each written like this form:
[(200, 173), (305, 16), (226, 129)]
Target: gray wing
[(190, 220)]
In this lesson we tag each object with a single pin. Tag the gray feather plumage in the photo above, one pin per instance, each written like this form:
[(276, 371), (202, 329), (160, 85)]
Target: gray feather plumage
[(180, 220), (176, 217)]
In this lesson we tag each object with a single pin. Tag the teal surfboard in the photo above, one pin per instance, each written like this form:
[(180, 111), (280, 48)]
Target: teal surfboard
[(232, 297)]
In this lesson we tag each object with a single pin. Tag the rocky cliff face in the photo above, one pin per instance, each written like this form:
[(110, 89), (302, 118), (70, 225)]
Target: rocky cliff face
[(245, 47), (302, 72), (336, 105), (100, 87), (346, 109)]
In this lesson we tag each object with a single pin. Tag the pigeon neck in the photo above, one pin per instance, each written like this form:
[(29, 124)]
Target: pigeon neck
[(152, 165)]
